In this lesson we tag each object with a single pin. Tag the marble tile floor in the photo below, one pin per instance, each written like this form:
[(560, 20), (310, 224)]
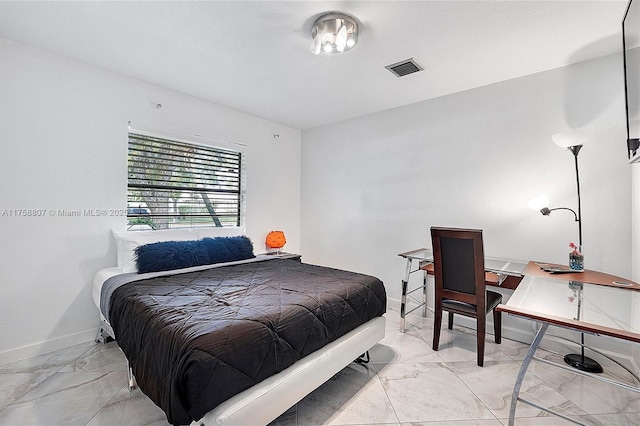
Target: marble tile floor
[(406, 383)]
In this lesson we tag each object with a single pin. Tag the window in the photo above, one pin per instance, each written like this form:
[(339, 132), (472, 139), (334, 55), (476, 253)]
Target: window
[(175, 184)]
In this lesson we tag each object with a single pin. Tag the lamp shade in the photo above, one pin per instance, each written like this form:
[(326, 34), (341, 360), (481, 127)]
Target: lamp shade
[(573, 137), (275, 240), (538, 203)]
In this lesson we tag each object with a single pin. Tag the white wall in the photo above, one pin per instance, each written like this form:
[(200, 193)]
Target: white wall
[(63, 136), (372, 186)]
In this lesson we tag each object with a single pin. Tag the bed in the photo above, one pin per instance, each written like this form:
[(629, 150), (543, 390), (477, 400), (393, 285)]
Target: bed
[(239, 341)]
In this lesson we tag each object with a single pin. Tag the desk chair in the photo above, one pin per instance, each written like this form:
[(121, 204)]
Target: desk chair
[(458, 260)]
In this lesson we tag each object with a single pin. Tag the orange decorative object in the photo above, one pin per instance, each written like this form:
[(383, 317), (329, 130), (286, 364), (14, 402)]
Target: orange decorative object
[(275, 240)]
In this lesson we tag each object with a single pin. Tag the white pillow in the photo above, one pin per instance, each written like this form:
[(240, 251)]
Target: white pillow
[(213, 232), (128, 241)]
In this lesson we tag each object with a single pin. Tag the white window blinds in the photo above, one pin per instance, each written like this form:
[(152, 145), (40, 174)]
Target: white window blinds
[(173, 184)]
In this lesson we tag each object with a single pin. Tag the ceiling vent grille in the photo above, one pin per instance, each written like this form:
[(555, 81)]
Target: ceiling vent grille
[(406, 67)]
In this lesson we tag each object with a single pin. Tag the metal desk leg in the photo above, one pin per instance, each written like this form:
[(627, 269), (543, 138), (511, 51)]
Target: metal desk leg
[(424, 294), (523, 371), (403, 300)]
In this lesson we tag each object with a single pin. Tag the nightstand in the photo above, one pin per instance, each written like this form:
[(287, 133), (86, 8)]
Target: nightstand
[(285, 255)]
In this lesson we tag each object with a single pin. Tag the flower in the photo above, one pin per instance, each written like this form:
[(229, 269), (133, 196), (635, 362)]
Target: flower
[(574, 248)]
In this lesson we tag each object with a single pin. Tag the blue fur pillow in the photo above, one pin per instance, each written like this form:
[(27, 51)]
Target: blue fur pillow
[(168, 255), (228, 249)]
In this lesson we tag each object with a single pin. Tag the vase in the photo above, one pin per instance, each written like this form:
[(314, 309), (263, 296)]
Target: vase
[(576, 261)]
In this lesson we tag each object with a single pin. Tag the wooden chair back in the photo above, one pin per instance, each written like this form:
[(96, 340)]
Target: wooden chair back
[(458, 265), (458, 261)]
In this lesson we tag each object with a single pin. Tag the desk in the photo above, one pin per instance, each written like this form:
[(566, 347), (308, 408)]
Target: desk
[(421, 257), (500, 272), (561, 300), (587, 276)]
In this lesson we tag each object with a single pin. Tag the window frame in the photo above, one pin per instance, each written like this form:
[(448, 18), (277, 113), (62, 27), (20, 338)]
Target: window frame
[(220, 183)]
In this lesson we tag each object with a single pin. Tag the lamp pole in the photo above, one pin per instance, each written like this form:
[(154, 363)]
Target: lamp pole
[(580, 361), (575, 150)]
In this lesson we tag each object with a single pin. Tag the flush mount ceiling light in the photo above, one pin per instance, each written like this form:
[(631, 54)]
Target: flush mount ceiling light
[(334, 33)]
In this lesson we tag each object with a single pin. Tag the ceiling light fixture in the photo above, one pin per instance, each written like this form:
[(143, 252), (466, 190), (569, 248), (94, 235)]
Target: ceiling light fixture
[(334, 33)]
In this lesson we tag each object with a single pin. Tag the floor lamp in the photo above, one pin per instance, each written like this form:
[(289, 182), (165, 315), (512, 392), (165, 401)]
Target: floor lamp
[(573, 140)]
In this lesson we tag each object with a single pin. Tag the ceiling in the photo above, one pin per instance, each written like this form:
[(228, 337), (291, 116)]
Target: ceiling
[(253, 56)]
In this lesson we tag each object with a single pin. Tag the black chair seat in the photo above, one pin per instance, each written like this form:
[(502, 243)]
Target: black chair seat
[(493, 300)]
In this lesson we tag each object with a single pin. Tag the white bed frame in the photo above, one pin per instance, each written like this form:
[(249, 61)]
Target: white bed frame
[(264, 402)]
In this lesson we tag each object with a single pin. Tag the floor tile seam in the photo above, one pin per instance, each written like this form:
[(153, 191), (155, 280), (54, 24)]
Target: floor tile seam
[(19, 400), (424, 339), (577, 375), (376, 365), (419, 335), (513, 358), (567, 398), (621, 412), (29, 389), (106, 403), (505, 420), (56, 389), (593, 420), (546, 383), (56, 369), (358, 424), (386, 394), (449, 367), (591, 412)]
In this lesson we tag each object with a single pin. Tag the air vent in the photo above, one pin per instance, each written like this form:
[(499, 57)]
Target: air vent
[(406, 67)]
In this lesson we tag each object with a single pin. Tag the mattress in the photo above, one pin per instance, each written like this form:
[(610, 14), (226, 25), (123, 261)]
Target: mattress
[(266, 316)]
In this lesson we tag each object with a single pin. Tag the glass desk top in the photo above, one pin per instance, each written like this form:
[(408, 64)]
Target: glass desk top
[(491, 264), (599, 309), (504, 266), (418, 254)]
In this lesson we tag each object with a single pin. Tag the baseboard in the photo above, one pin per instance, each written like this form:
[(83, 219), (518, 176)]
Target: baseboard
[(46, 346)]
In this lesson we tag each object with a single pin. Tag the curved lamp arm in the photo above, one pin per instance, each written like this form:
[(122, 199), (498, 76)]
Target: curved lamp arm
[(547, 211)]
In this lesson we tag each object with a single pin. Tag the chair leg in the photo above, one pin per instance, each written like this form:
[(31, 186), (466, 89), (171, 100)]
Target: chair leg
[(497, 325), (450, 325), (480, 335), (437, 325)]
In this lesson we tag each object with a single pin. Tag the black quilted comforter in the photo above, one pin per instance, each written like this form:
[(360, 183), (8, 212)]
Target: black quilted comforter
[(196, 339)]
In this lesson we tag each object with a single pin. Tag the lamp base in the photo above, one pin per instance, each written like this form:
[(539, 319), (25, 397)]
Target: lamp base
[(583, 363)]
